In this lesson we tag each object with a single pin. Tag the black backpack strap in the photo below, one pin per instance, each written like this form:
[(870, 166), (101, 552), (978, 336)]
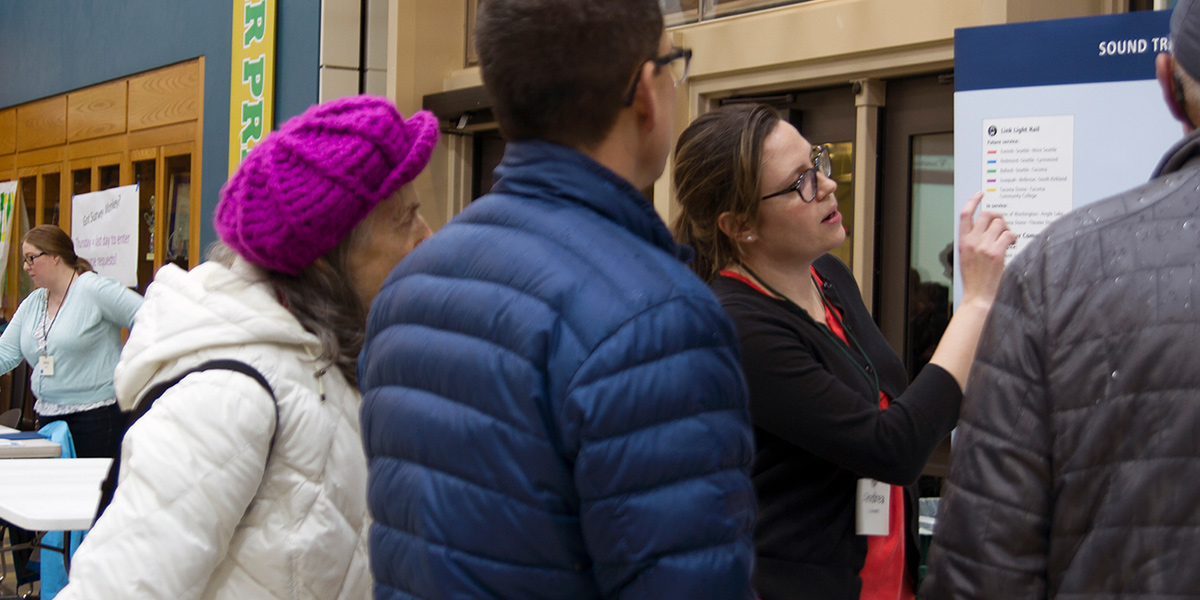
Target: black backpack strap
[(157, 390)]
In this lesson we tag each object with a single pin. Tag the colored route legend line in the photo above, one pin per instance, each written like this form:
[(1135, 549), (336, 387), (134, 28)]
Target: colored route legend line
[(1028, 165)]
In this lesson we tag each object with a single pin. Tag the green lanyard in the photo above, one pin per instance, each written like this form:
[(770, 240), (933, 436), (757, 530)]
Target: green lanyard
[(869, 371)]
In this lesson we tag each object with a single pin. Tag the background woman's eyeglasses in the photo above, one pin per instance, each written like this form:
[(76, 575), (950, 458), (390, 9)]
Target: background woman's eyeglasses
[(28, 260), (806, 185)]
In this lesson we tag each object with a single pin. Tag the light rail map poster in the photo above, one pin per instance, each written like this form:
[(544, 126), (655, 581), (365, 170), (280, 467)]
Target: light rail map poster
[(1052, 115)]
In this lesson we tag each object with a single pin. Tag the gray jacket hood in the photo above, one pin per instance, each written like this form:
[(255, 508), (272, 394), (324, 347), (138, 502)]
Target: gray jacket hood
[(1178, 155)]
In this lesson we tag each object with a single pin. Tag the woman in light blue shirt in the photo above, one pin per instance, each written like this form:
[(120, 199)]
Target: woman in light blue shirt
[(69, 330)]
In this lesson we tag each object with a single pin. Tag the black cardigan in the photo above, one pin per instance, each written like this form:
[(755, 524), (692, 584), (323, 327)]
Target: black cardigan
[(818, 429)]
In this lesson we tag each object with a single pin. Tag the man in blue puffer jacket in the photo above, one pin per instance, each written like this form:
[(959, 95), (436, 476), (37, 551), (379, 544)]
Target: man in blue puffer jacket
[(553, 405)]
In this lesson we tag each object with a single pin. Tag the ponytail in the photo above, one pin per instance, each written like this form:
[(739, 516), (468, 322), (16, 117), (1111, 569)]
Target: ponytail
[(718, 169)]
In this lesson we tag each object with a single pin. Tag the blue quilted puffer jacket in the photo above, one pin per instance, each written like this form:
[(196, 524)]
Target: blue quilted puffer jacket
[(553, 404)]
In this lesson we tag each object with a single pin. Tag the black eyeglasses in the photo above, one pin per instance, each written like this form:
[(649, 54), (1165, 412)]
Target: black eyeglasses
[(679, 72), (807, 183), (28, 260)]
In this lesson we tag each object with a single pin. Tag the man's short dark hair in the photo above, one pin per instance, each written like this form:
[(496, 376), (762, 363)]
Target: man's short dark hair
[(557, 70)]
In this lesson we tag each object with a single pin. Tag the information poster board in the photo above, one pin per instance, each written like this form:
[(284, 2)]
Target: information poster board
[(104, 228), (1052, 115)]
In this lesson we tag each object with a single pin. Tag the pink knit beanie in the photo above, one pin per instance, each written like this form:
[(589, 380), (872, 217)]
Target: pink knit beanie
[(303, 189)]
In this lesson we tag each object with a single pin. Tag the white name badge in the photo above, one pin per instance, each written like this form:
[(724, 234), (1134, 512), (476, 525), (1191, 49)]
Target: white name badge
[(46, 365), (871, 512)]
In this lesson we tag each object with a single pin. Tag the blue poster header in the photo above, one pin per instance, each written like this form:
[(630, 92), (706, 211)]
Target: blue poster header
[(1066, 51)]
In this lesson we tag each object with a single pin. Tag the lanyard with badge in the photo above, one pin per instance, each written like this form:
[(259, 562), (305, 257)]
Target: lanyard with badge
[(873, 498), (45, 359)]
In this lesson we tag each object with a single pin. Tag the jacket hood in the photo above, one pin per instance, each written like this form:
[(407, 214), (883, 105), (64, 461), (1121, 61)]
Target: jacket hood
[(209, 308), (1187, 148)]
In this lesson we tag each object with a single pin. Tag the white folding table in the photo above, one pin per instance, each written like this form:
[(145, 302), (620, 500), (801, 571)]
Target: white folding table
[(51, 494), (32, 448)]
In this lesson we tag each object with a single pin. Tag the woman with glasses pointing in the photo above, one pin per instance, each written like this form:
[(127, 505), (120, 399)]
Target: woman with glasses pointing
[(840, 434), (69, 330)]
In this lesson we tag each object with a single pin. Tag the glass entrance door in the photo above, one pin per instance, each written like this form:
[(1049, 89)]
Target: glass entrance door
[(931, 249), (917, 179), (916, 224)]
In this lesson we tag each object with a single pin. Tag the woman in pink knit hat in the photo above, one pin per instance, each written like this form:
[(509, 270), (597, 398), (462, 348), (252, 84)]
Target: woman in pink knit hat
[(247, 478)]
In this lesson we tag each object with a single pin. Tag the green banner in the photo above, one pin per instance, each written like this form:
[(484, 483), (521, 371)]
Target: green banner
[(8, 201)]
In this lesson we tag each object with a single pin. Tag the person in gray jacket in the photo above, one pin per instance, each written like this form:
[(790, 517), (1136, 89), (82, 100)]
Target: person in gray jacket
[(1076, 469)]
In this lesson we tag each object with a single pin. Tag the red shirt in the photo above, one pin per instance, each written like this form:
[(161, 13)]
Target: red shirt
[(884, 574)]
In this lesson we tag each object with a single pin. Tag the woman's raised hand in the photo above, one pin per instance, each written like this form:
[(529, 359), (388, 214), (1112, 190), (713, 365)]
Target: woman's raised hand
[(982, 243)]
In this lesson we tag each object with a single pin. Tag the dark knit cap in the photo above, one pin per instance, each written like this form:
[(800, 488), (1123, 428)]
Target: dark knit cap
[(1185, 36)]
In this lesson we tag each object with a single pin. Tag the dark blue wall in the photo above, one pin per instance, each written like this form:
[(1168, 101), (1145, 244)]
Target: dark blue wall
[(48, 47)]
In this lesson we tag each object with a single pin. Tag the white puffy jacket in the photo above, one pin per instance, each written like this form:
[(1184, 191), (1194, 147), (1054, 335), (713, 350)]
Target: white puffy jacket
[(204, 509)]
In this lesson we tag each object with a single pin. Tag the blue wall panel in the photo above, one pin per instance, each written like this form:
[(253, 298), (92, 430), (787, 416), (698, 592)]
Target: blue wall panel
[(48, 47)]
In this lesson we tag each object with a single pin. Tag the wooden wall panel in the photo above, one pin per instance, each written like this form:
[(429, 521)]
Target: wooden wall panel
[(96, 111), (42, 123), (96, 147), (171, 134), (7, 164), (143, 154), (164, 96), (44, 156), (8, 131)]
